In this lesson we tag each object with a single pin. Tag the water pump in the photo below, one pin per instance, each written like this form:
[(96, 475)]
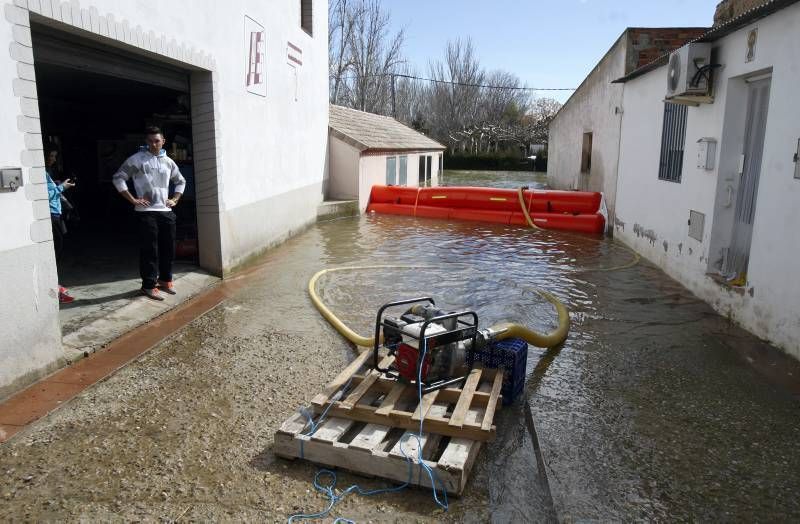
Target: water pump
[(430, 345)]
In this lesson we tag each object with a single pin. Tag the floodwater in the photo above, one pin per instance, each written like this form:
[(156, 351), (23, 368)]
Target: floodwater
[(504, 179), (654, 408)]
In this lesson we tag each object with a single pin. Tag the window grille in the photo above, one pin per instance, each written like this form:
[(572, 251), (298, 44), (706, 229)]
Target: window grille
[(673, 137)]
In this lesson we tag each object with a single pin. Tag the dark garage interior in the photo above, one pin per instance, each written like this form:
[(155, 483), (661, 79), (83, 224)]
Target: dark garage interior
[(94, 105)]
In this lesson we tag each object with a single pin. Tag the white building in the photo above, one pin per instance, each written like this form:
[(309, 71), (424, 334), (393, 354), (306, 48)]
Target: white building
[(368, 149), (240, 87), (583, 144), (709, 189)]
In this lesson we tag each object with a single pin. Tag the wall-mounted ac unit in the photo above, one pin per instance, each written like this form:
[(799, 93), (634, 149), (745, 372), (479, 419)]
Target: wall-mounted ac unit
[(689, 71)]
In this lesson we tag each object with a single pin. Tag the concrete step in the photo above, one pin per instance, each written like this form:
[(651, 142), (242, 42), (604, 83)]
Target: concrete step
[(331, 209), (138, 310)]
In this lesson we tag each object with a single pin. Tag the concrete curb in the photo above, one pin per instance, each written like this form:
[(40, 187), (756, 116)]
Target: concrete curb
[(540, 458), (333, 209)]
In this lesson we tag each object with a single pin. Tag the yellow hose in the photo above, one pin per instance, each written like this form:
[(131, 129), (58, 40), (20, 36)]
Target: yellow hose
[(525, 208), (554, 338), (504, 330), (632, 263), (340, 326)]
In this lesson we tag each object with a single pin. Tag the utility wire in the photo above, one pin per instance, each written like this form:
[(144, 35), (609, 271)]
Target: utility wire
[(464, 84)]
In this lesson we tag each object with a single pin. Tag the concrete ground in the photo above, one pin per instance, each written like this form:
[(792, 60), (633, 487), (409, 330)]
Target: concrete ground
[(102, 275), (185, 432)]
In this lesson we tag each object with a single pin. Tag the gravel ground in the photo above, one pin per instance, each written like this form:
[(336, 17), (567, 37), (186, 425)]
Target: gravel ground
[(185, 432)]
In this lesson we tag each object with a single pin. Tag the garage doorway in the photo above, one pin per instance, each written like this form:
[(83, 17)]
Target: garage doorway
[(94, 104)]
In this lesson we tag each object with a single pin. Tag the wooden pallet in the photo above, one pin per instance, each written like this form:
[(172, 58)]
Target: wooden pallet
[(370, 429), (376, 450), (481, 390)]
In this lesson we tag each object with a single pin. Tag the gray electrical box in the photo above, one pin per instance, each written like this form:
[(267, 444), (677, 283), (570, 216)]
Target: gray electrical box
[(697, 223), (10, 178), (706, 152)]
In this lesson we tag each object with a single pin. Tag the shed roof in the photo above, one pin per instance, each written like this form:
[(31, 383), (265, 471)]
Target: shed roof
[(368, 131), (715, 33)]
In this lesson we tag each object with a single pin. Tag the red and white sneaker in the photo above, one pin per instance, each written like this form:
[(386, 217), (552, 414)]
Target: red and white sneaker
[(167, 287), (152, 294), (63, 297)]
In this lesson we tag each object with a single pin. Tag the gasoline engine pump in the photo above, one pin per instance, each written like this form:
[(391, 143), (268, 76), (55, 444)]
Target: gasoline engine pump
[(431, 345)]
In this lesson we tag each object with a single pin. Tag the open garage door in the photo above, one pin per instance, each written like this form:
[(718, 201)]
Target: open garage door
[(95, 101), (66, 50)]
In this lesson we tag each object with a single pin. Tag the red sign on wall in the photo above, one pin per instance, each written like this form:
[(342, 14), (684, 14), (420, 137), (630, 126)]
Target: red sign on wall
[(255, 45)]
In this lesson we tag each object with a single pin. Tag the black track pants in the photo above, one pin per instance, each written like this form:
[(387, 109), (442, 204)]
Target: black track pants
[(156, 246)]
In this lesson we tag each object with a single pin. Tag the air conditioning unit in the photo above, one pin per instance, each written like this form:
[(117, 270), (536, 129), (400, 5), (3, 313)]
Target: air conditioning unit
[(689, 71)]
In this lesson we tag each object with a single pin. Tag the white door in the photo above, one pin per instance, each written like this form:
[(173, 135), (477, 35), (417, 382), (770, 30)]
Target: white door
[(738, 255)]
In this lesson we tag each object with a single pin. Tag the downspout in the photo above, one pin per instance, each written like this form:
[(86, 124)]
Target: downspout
[(612, 214)]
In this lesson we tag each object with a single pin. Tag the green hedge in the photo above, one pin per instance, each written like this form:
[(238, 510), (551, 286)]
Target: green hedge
[(493, 162)]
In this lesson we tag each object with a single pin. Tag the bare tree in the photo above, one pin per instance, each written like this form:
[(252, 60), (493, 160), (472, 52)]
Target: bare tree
[(363, 54), (461, 105), (412, 100), (543, 111), (340, 31), (455, 95)]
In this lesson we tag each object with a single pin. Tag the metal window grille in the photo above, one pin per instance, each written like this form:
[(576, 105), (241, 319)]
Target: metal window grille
[(673, 137)]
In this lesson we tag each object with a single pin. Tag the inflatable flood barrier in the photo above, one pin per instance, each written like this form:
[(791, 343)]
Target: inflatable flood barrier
[(561, 210)]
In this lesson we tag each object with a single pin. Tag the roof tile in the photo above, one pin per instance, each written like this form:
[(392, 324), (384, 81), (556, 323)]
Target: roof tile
[(371, 131)]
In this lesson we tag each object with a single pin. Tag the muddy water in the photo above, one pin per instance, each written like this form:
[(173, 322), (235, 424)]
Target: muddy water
[(504, 179), (654, 408)]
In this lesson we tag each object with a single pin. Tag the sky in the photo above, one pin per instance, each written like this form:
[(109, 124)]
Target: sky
[(546, 43)]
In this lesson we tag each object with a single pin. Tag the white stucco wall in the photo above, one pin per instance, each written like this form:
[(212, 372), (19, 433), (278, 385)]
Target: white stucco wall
[(652, 214), (343, 158), (591, 109), (267, 154), (372, 171), (30, 344)]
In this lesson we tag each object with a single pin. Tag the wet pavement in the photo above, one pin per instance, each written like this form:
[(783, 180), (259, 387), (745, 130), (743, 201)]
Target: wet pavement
[(654, 408)]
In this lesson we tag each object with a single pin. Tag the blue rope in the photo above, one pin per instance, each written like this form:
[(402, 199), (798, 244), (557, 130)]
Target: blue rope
[(431, 474), (329, 491)]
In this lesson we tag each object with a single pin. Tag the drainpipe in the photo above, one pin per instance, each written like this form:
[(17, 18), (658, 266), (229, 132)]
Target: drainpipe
[(612, 214)]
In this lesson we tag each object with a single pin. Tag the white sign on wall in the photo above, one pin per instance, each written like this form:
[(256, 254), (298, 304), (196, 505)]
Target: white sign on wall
[(255, 46)]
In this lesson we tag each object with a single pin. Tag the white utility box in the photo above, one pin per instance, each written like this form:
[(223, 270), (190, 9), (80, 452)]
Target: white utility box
[(706, 153)]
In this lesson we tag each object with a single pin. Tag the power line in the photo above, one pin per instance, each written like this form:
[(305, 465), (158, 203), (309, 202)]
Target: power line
[(485, 85), (464, 84)]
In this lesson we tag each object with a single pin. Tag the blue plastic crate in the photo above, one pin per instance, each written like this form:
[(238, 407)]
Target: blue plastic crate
[(510, 354)]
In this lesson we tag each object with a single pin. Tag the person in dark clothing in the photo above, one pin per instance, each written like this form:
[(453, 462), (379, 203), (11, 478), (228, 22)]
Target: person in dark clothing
[(151, 172), (54, 192)]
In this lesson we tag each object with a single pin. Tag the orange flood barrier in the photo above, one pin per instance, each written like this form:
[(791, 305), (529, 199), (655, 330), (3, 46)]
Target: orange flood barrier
[(562, 210)]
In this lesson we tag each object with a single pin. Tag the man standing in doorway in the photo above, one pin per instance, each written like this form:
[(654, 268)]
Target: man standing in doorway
[(151, 171)]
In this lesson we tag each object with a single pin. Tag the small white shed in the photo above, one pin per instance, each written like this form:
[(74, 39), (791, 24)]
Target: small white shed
[(366, 149)]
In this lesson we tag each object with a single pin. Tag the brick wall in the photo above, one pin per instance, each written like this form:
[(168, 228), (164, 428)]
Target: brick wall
[(647, 44), (729, 9)]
